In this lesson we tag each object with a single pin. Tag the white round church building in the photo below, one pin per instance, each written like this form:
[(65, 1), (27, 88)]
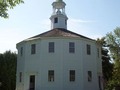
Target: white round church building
[(59, 59)]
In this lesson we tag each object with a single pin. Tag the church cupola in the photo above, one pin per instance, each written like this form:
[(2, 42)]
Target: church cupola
[(58, 17)]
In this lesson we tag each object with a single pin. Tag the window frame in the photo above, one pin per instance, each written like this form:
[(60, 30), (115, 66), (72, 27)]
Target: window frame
[(56, 20), (71, 47), (65, 21), (51, 47), (20, 77), (51, 76), (72, 75), (89, 76), (98, 52), (21, 51), (88, 47), (33, 49)]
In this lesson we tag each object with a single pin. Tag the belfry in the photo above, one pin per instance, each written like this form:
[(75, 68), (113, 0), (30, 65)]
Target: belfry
[(58, 17)]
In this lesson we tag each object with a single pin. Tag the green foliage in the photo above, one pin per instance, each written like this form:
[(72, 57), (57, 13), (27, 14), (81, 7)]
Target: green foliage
[(113, 41), (8, 62), (8, 4), (107, 66), (115, 80)]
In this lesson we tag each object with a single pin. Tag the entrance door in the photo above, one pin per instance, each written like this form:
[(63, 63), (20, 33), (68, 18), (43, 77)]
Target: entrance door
[(99, 78), (32, 82)]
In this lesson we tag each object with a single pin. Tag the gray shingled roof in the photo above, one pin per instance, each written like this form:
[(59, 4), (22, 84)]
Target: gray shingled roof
[(59, 32)]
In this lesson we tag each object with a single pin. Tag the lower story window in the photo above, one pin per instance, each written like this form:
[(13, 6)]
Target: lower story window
[(20, 77), (72, 75), (51, 75), (89, 76)]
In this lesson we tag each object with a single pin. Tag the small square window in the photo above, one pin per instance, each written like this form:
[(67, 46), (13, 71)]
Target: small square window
[(51, 47), (89, 76), (33, 48), (51, 75), (72, 75), (88, 49), (71, 47)]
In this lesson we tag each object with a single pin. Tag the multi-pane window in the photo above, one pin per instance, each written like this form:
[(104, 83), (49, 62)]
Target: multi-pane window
[(51, 47), (56, 20), (88, 49), (72, 75), (51, 75), (71, 47), (89, 76), (20, 77), (33, 48), (21, 51)]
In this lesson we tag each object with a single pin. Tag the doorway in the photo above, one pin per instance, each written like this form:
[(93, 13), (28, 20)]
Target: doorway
[(32, 82)]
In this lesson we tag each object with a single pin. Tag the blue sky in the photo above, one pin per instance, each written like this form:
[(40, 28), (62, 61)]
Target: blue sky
[(91, 18)]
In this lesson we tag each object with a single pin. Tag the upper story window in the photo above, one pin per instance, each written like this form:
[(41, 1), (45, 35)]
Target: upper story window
[(21, 51), (98, 52), (33, 48), (88, 49), (56, 20), (71, 47), (72, 75), (51, 47), (89, 76), (51, 75)]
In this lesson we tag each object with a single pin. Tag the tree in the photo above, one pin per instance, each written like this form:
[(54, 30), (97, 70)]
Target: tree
[(113, 41), (107, 66), (8, 62), (7, 4)]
